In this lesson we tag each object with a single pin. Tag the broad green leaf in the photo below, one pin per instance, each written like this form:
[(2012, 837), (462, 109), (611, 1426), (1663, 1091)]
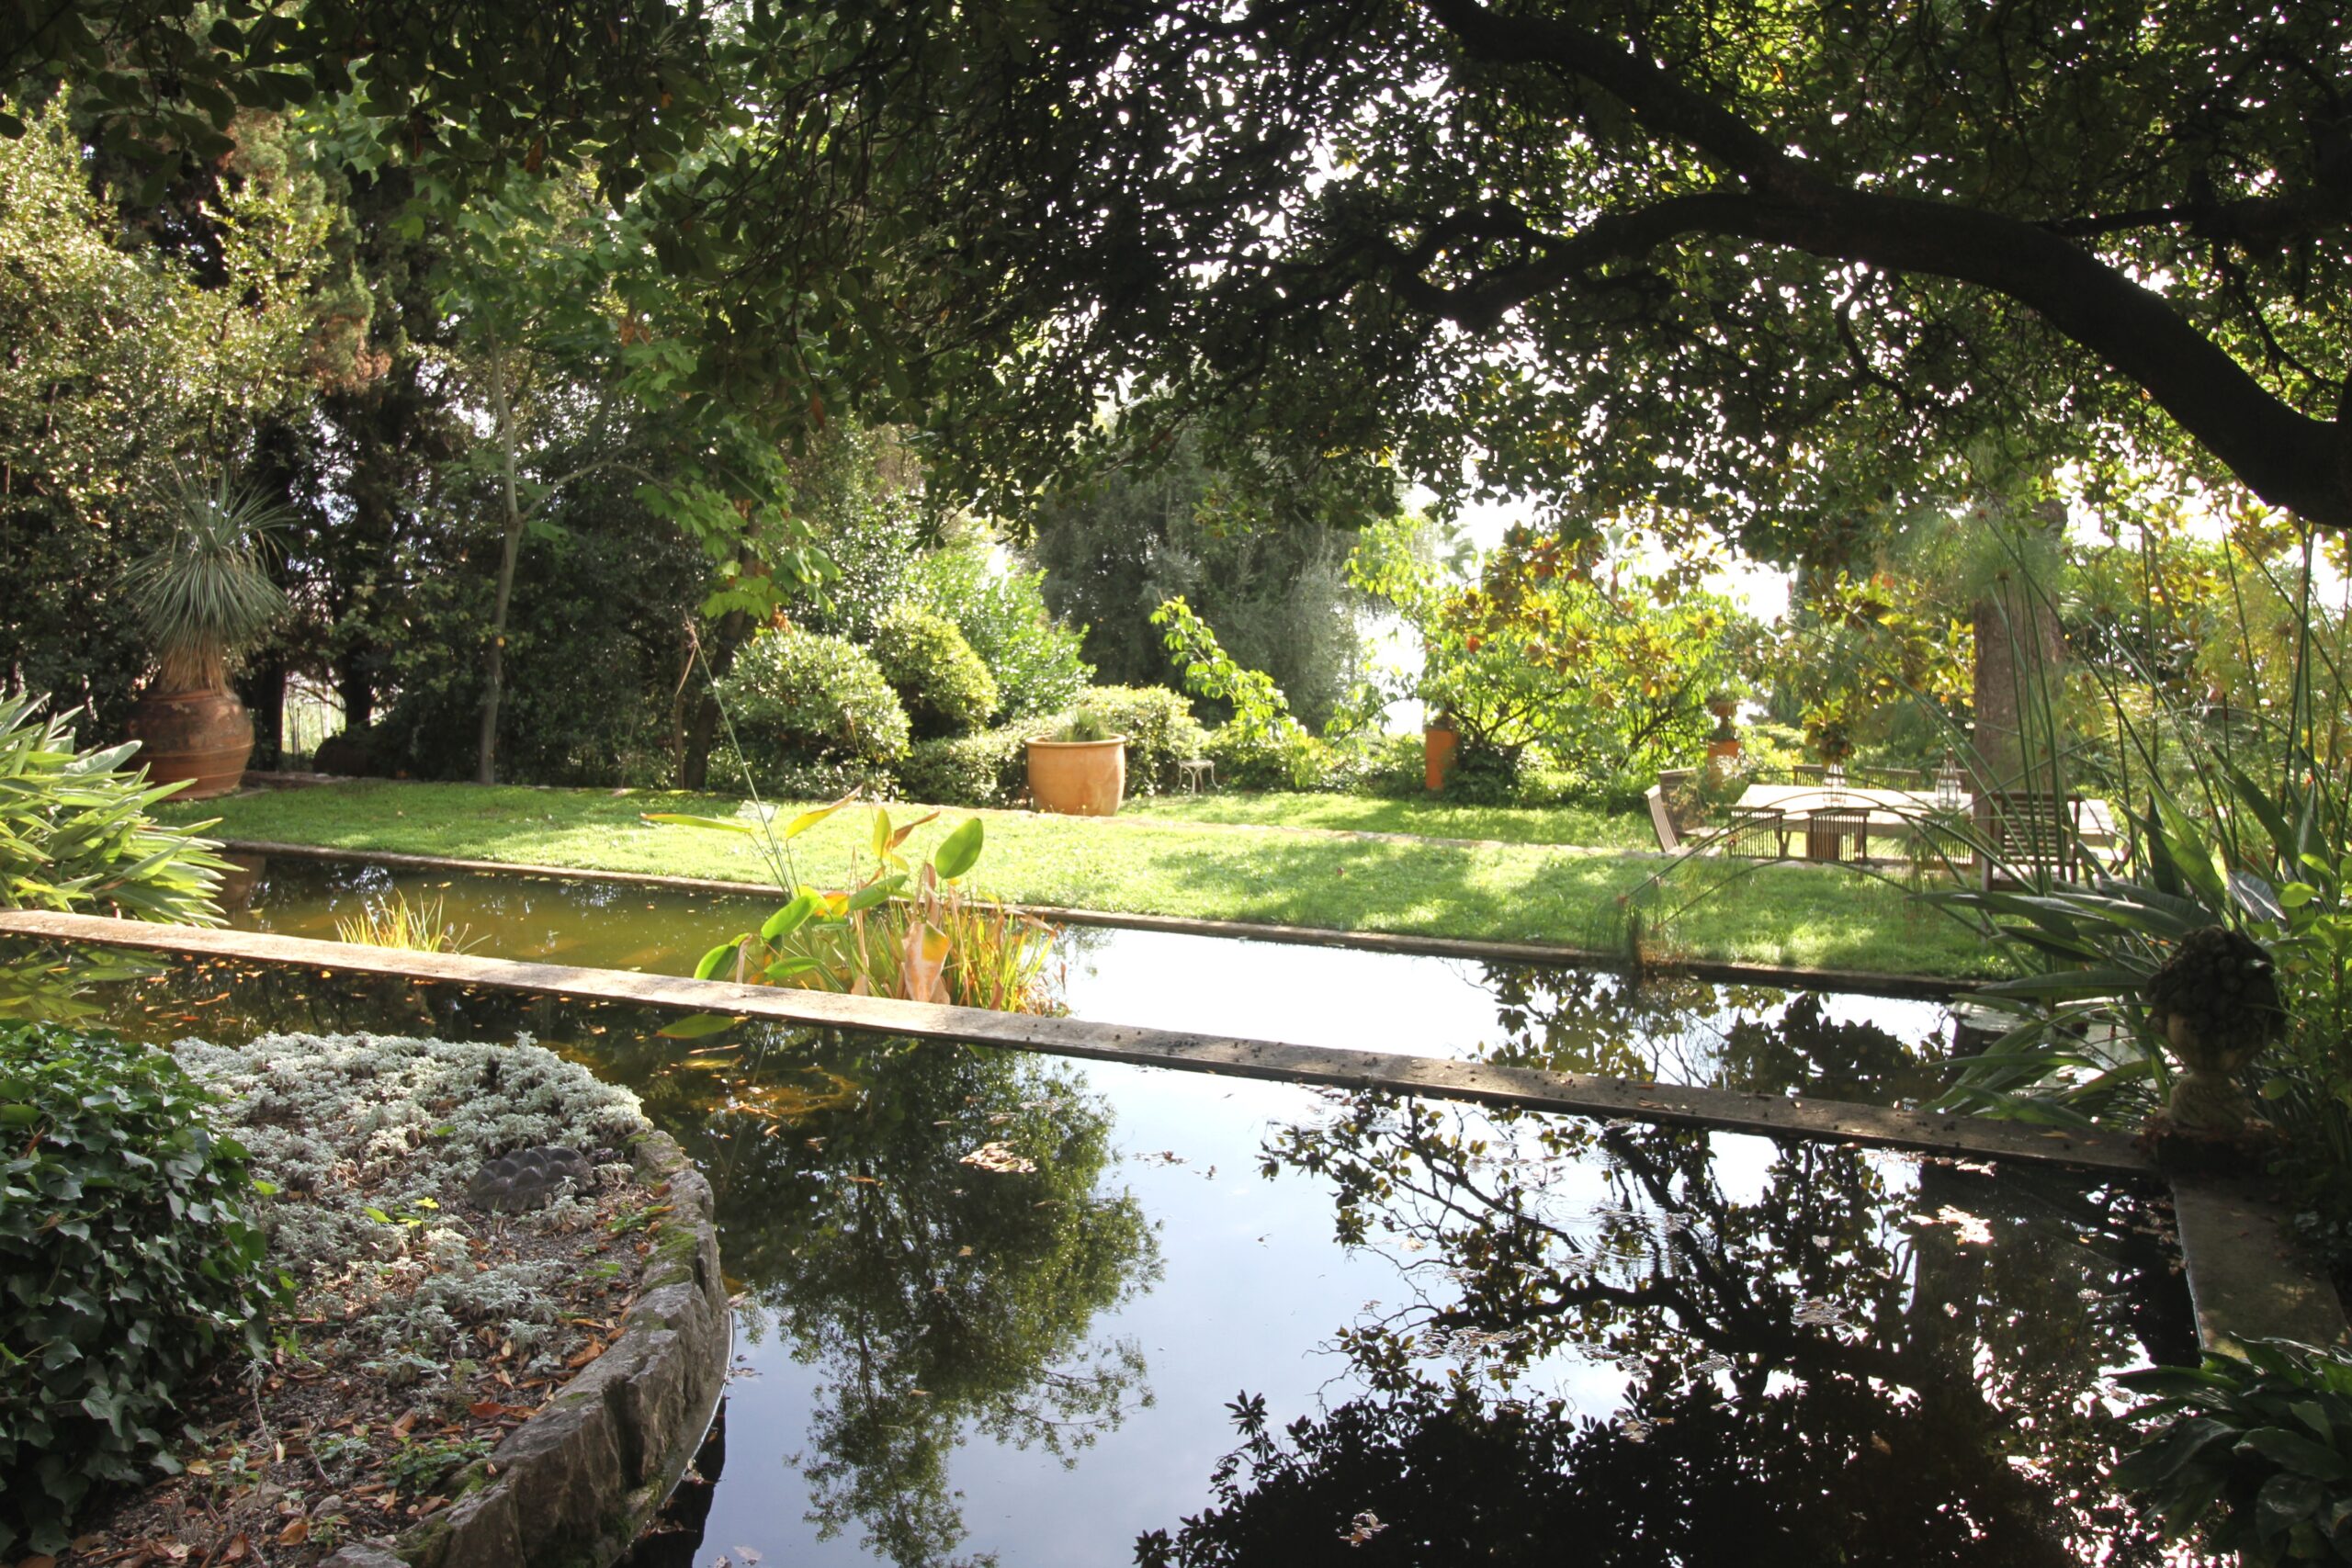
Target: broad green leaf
[(790, 919), (959, 851), (696, 1027)]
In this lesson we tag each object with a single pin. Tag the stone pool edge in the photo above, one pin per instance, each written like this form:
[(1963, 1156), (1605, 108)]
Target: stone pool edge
[(572, 1486), (1857, 982)]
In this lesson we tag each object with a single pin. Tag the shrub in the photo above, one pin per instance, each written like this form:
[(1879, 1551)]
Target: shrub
[(75, 835), (1296, 760), (76, 838), (1034, 659), (2253, 1452), (987, 769), (1159, 728), (945, 688), (127, 1263), (797, 696)]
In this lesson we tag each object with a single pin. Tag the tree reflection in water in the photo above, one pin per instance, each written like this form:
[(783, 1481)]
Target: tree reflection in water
[(1686, 1031), (1830, 1356), (934, 1297)]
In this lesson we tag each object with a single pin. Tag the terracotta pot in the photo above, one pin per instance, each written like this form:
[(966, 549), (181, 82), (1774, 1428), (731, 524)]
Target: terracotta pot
[(1438, 749), (1077, 778), (204, 737), (1725, 708)]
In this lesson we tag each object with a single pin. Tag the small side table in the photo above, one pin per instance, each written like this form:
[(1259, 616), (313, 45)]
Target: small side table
[(1193, 771)]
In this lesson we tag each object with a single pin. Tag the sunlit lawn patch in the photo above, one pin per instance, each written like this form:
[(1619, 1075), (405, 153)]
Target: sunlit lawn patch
[(1152, 862)]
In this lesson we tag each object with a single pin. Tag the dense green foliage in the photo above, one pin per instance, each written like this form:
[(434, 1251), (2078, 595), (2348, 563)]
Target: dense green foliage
[(128, 369), (2255, 1454), (990, 768), (1260, 560), (75, 835), (127, 1264), (945, 687), (1604, 671), (796, 696), (1034, 659)]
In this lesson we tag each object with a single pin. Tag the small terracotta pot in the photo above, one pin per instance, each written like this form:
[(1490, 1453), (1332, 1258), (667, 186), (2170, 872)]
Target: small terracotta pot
[(204, 737), (1077, 778)]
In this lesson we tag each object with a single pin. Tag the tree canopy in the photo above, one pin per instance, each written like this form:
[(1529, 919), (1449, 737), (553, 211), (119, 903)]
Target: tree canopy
[(1782, 263), (1777, 262)]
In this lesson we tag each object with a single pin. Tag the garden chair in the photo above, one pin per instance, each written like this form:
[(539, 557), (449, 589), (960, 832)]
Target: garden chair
[(1899, 778), (1807, 772), (2029, 839), (1669, 837), (1827, 830), (1760, 835)]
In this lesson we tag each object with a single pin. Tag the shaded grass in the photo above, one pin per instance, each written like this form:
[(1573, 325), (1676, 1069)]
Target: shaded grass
[(1430, 818), (1152, 864)]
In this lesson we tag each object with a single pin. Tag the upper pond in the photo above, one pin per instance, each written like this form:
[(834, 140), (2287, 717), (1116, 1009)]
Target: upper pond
[(1225, 1322)]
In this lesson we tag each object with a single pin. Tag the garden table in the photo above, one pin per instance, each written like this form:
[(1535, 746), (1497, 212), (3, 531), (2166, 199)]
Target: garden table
[(1893, 813)]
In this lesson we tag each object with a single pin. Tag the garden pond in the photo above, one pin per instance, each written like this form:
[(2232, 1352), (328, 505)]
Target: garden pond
[(995, 1306)]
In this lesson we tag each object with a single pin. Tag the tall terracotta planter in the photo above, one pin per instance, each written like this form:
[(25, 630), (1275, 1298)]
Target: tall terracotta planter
[(1438, 749), (1077, 778), (205, 736)]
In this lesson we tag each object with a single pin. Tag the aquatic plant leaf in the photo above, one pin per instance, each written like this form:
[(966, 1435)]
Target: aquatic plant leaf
[(698, 1026), (808, 820), (718, 956), (683, 819), (872, 892), (790, 919), (919, 965), (958, 852)]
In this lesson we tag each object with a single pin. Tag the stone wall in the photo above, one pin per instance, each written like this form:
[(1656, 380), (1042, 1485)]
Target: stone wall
[(570, 1488)]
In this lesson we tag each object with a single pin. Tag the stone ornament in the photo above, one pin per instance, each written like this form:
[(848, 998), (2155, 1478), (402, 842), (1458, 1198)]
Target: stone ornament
[(2215, 1002)]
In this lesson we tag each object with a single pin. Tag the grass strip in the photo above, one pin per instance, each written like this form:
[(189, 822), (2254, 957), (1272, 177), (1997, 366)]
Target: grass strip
[(1147, 864), (1429, 819)]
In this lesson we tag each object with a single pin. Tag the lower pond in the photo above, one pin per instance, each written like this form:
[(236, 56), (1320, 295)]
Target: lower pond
[(996, 1307)]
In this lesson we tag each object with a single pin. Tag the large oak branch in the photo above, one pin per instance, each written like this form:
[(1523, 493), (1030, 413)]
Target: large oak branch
[(2284, 455)]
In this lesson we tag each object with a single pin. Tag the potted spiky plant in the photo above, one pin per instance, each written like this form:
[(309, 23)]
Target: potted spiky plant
[(1080, 769), (203, 597)]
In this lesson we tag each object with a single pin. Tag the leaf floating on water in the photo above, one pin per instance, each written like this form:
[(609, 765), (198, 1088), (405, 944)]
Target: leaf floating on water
[(998, 1156)]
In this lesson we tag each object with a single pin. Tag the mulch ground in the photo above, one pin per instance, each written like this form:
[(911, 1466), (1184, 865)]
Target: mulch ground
[(319, 1447)]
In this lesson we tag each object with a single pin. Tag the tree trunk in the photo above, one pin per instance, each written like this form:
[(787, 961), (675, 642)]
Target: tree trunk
[(494, 661), (262, 690), (357, 691), (2020, 661), (694, 767)]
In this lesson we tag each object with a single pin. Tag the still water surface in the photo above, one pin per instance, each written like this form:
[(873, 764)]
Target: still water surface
[(1231, 1321)]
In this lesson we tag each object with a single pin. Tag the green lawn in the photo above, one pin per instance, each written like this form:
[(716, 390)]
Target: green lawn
[(1157, 862), (1436, 819)]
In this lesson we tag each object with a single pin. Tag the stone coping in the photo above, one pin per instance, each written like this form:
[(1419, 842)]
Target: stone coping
[(572, 1486)]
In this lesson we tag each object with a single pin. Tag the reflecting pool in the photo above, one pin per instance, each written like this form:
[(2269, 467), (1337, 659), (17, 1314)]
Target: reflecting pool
[(1000, 1307)]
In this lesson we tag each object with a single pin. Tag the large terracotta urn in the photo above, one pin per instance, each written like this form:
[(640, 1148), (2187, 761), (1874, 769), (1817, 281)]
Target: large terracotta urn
[(204, 737), (1077, 778)]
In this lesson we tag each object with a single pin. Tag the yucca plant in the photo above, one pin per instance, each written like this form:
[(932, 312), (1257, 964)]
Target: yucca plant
[(205, 594)]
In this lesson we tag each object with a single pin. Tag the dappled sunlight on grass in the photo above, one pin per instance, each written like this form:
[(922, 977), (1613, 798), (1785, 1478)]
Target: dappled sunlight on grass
[(1521, 892)]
